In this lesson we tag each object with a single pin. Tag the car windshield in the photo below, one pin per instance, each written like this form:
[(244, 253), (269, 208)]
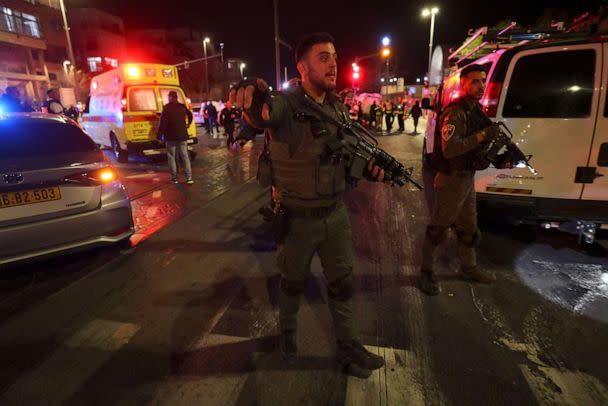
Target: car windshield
[(27, 138)]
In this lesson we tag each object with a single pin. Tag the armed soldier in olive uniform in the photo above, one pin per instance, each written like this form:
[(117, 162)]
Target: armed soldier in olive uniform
[(464, 129), (308, 181)]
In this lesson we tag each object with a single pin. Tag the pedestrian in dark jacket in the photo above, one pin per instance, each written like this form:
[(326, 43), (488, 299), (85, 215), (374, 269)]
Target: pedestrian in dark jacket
[(372, 115), (53, 103), (212, 118), (227, 119), (173, 130), (416, 113)]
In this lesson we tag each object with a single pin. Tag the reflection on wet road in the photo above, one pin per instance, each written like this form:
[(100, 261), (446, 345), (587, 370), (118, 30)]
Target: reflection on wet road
[(189, 316)]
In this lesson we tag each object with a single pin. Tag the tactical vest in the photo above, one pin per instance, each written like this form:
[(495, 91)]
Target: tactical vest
[(476, 121), (305, 169)]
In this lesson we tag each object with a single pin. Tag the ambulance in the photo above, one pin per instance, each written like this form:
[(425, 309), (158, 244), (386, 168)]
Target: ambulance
[(125, 105)]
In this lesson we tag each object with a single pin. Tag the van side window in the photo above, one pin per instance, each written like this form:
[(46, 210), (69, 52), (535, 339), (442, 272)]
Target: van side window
[(143, 99), (552, 85)]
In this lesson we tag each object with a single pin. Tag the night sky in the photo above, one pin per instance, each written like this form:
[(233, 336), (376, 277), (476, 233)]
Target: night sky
[(246, 27)]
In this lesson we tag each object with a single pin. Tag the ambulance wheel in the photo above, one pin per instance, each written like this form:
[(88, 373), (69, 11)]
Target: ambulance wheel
[(121, 155)]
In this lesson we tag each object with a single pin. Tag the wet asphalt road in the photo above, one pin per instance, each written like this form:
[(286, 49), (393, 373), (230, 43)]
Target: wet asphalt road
[(188, 316)]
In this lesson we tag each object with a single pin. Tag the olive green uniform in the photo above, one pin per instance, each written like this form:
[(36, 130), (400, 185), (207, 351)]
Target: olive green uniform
[(310, 182), (455, 200)]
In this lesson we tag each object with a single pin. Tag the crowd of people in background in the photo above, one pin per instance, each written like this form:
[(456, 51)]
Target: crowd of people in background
[(390, 114), (12, 102)]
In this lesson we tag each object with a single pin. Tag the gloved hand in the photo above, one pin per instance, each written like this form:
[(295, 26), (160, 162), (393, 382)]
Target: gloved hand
[(252, 95), (491, 133), (376, 172)]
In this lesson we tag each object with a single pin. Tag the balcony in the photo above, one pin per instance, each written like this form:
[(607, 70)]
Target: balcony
[(20, 29)]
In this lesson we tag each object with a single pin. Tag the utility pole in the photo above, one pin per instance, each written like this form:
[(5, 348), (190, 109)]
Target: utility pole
[(205, 41), (70, 49), (277, 51)]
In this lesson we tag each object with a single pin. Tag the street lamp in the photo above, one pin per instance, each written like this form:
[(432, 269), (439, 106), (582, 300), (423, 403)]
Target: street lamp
[(426, 13), (242, 67), (386, 41), (205, 42), (386, 53)]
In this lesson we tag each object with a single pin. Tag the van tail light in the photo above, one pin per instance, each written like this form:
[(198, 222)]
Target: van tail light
[(123, 104), (94, 178), (489, 102)]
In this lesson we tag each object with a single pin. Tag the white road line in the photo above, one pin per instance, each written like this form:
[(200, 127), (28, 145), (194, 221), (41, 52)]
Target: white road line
[(552, 386), (208, 390), (64, 372)]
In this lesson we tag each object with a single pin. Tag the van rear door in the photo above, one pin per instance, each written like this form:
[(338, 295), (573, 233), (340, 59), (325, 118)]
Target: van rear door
[(550, 102), (143, 108), (596, 172)]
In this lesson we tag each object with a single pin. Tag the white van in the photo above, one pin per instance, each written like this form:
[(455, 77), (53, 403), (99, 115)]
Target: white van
[(552, 95), (125, 106)]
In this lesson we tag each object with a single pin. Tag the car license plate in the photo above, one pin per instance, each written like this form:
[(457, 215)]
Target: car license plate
[(23, 197)]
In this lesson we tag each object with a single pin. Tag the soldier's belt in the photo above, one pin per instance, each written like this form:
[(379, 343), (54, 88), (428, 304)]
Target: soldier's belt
[(316, 212)]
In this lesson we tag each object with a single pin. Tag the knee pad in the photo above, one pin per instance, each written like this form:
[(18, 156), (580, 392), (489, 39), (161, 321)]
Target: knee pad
[(292, 288), (342, 288), (468, 239), (435, 234)]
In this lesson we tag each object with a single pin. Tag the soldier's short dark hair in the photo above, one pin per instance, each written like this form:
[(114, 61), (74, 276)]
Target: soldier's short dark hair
[(471, 68), (307, 42)]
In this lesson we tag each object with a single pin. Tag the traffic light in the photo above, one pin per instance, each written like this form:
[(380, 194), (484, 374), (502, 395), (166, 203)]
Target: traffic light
[(356, 69)]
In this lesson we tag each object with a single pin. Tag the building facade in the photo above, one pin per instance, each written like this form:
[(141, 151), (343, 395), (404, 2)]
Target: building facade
[(33, 48), (98, 39)]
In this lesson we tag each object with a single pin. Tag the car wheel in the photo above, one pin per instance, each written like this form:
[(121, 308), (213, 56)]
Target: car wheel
[(121, 155), (124, 244)]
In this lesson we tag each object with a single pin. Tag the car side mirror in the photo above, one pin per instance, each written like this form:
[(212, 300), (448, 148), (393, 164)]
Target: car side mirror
[(426, 104)]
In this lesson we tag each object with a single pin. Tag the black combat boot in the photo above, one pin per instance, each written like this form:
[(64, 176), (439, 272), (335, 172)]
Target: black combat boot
[(356, 359), (428, 283), (287, 345), (475, 274)]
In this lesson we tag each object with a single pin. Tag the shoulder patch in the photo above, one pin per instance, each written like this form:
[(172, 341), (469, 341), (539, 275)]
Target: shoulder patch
[(447, 131)]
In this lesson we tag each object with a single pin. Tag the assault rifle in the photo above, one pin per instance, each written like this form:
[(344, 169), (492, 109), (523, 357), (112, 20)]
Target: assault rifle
[(511, 154), (490, 150), (358, 146)]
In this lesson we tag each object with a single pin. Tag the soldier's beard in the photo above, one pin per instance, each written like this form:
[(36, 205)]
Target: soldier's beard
[(323, 84)]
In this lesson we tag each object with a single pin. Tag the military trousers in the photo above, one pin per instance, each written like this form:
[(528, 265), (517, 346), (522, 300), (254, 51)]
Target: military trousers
[(331, 238), (455, 206)]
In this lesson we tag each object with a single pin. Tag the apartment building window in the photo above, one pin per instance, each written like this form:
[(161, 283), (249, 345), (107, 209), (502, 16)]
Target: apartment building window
[(20, 23), (94, 64), (111, 62)]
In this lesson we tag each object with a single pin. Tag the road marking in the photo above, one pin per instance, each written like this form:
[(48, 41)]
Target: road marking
[(64, 372), (204, 388), (552, 386), (395, 384)]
